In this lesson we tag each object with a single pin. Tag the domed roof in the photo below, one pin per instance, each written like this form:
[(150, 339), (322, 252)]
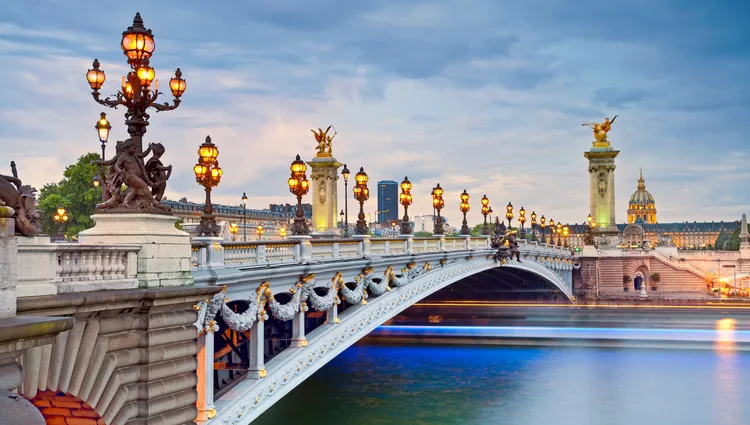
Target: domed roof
[(641, 196)]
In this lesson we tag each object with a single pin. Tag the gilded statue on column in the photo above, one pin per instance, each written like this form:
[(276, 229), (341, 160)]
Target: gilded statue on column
[(600, 131), (325, 142)]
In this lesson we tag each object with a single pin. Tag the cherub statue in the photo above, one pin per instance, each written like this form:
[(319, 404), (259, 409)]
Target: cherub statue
[(130, 166), (324, 141), (20, 197), (601, 129), (157, 172)]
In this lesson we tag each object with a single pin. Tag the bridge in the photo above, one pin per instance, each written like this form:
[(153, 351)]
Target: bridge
[(119, 330), (353, 285)]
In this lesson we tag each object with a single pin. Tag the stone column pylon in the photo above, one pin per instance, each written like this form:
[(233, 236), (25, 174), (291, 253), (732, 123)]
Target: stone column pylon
[(602, 188), (324, 175)]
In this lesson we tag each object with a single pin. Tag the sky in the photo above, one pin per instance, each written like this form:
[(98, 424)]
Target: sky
[(483, 95)]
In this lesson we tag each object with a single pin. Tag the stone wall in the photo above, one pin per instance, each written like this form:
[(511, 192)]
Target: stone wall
[(130, 355), (8, 260)]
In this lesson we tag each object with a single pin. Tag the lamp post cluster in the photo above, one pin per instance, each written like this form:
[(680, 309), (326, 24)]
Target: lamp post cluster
[(259, 231), (464, 207), (509, 213), (233, 229), (522, 220), (208, 174), (60, 217), (136, 92), (590, 226), (244, 217), (438, 204), (406, 199), (361, 194), (486, 210), (299, 186)]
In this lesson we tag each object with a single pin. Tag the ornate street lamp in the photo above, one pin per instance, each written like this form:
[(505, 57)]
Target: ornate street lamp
[(60, 217), (233, 229), (345, 173), (543, 224), (282, 232), (299, 185), (244, 217), (522, 220), (552, 230), (95, 181), (533, 225), (565, 234), (341, 220), (259, 231), (102, 130), (136, 93), (393, 226), (509, 213), (464, 207), (438, 204), (559, 231), (485, 211), (208, 174), (361, 194), (405, 199), (590, 226)]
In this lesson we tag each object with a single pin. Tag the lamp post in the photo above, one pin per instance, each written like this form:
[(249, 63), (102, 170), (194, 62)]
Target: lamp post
[(341, 220), (558, 230), (393, 227), (135, 92), (522, 220), (438, 204), (345, 173), (282, 232), (60, 217), (485, 211), (464, 207), (259, 231), (405, 199), (102, 130), (244, 217), (299, 185), (543, 224), (96, 183), (208, 174), (552, 232), (566, 234), (361, 194), (509, 213), (533, 225), (233, 229), (590, 226)]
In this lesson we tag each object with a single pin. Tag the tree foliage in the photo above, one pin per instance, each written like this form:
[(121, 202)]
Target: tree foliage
[(422, 234), (729, 241), (75, 193)]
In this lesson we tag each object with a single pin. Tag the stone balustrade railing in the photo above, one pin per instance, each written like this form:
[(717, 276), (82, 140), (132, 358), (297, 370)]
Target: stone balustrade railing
[(304, 250), (49, 268)]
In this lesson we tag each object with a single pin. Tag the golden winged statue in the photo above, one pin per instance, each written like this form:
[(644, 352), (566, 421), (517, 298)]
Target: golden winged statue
[(600, 131), (325, 142)]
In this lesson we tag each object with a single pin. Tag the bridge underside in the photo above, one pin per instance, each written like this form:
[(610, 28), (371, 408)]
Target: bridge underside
[(500, 284)]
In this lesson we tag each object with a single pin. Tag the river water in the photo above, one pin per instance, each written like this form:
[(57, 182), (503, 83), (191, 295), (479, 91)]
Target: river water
[(550, 385)]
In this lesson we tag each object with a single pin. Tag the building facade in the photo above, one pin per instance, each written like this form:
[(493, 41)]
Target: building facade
[(272, 219), (642, 205), (387, 201)]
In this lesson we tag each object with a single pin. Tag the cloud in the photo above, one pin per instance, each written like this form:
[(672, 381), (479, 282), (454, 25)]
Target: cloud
[(481, 95)]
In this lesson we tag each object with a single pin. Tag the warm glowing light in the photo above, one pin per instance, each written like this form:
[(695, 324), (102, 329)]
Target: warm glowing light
[(146, 74), (137, 43), (95, 76), (177, 84), (102, 128)]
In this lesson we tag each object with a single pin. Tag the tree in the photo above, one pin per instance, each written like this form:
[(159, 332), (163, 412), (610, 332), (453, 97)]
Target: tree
[(729, 241), (422, 234), (75, 193)]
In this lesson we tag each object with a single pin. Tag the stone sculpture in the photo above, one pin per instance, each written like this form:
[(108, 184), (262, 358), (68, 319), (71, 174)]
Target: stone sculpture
[(601, 130), (144, 184), (20, 197), (325, 142)]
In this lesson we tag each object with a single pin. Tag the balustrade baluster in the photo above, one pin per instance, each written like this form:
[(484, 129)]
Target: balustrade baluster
[(75, 266)]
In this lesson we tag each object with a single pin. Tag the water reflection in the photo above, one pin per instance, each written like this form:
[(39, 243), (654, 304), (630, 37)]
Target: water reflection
[(470, 385), (727, 393)]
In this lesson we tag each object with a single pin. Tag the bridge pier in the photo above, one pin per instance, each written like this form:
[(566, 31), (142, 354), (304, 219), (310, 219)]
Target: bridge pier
[(257, 367)]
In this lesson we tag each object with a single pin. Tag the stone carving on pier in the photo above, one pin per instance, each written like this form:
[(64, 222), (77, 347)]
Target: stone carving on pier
[(132, 185), (20, 197)]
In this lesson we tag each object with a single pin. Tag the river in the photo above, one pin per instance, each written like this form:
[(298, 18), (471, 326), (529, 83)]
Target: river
[(539, 385)]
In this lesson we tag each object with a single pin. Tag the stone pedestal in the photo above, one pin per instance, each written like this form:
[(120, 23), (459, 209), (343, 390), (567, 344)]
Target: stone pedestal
[(215, 251), (364, 246), (589, 251), (409, 243), (324, 176), (164, 256), (304, 256), (602, 188), (8, 263)]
